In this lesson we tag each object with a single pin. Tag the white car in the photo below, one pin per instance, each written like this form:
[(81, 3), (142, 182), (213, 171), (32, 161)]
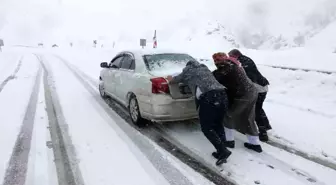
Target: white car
[(136, 79)]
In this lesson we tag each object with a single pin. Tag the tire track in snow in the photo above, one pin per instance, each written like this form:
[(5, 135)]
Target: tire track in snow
[(301, 108), (161, 164), (12, 76), (17, 167), (299, 69), (267, 159), (287, 68), (311, 157), (68, 172)]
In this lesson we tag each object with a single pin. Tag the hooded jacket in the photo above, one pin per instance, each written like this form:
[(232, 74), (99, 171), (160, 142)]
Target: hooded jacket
[(197, 75)]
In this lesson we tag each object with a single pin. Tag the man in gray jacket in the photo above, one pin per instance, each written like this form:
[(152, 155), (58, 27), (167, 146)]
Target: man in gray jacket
[(211, 103)]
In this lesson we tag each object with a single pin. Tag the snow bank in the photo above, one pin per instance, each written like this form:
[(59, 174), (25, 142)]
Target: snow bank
[(303, 58), (12, 111), (8, 63)]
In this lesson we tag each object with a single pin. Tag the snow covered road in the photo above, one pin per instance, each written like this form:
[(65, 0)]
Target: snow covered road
[(76, 140), (56, 129)]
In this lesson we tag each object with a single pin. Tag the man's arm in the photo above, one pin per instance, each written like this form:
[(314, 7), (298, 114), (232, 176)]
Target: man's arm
[(175, 79), (218, 76), (257, 76)]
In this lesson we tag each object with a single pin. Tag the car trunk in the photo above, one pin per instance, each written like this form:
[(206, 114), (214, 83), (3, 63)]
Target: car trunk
[(177, 91), (162, 65)]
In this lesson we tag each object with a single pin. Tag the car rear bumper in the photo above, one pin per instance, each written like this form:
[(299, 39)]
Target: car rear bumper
[(162, 108)]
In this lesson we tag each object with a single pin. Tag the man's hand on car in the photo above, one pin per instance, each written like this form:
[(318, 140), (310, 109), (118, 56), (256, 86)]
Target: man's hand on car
[(169, 78)]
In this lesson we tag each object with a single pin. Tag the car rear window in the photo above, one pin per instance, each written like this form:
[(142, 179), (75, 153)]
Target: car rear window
[(167, 61)]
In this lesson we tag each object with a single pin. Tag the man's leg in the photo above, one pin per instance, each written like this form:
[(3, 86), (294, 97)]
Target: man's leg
[(208, 115), (261, 117), (252, 128), (219, 119)]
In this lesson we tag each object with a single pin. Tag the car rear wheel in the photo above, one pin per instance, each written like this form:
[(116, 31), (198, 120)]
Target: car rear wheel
[(134, 112), (102, 89)]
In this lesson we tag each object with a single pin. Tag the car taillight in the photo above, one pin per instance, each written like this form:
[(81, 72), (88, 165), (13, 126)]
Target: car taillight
[(159, 85)]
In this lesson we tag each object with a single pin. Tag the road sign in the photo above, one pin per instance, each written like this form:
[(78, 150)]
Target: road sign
[(143, 42)]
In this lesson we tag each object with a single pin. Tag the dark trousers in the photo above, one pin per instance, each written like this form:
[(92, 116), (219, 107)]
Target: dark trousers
[(261, 117), (212, 108)]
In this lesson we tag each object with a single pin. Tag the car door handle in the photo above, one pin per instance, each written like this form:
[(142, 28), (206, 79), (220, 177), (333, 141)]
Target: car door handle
[(136, 75), (112, 74)]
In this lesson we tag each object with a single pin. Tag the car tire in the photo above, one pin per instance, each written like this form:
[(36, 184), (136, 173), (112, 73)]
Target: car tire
[(102, 90), (134, 112)]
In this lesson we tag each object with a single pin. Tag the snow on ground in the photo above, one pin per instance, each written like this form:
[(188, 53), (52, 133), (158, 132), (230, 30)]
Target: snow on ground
[(193, 176), (13, 103), (305, 102), (304, 58), (300, 105), (248, 167)]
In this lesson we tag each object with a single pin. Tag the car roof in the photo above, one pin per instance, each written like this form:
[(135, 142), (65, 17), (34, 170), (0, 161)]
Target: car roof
[(142, 52)]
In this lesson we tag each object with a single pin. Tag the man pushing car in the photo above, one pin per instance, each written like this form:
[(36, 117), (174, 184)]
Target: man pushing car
[(211, 103)]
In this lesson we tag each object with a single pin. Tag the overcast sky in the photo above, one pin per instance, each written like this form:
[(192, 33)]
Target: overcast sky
[(128, 20)]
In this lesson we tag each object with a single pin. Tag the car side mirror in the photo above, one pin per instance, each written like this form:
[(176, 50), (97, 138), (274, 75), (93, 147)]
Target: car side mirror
[(104, 65)]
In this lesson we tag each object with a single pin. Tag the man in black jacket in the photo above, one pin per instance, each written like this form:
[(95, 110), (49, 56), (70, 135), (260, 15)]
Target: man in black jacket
[(262, 85)]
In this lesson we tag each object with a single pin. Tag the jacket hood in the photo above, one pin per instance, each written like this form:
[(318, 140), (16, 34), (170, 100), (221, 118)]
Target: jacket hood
[(193, 63)]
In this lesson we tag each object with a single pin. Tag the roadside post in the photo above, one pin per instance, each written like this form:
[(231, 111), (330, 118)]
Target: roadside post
[(1, 44), (95, 43), (143, 43)]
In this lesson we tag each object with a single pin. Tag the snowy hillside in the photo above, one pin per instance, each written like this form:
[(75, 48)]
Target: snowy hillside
[(325, 40), (245, 23)]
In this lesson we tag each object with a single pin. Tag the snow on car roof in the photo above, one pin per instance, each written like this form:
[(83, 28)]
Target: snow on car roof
[(142, 52)]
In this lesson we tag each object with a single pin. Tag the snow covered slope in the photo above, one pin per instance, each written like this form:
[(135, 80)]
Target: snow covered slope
[(325, 40), (217, 23)]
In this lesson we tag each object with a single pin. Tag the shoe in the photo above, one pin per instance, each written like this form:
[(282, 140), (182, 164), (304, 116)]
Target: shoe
[(263, 136), (230, 144), (223, 157), (215, 155), (256, 148)]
